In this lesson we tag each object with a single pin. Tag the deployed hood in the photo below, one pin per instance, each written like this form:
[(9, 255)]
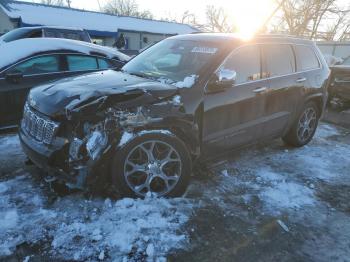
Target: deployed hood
[(70, 93)]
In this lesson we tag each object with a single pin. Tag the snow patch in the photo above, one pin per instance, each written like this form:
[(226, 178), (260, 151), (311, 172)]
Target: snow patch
[(287, 196), (126, 137), (8, 219), (91, 229), (325, 131), (188, 82)]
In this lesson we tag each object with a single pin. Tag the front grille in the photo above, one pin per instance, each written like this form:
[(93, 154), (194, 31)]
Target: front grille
[(38, 127)]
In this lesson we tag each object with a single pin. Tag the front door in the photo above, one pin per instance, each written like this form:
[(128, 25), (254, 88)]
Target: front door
[(235, 116)]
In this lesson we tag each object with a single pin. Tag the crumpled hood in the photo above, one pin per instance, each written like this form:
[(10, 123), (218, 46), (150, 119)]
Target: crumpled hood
[(56, 97)]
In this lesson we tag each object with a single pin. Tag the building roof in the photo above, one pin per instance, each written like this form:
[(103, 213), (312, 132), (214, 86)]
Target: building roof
[(31, 14)]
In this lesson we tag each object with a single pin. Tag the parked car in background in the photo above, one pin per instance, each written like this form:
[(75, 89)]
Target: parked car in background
[(186, 97), (46, 31), (29, 62), (340, 82)]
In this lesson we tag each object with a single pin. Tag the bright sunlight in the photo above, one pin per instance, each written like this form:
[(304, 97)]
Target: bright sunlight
[(250, 15)]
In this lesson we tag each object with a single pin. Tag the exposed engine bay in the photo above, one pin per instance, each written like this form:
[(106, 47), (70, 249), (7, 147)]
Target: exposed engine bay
[(112, 128)]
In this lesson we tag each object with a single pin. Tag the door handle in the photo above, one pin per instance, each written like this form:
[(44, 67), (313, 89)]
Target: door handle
[(301, 80), (260, 90)]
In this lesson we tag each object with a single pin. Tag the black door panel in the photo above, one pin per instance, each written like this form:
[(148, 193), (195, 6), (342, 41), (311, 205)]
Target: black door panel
[(285, 86), (235, 116)]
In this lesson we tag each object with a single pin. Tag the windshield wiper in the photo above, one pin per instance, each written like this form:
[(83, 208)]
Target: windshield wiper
[(136, 74)]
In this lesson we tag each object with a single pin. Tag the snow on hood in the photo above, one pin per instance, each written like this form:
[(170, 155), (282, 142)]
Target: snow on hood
[(188, 82), (13, 51)]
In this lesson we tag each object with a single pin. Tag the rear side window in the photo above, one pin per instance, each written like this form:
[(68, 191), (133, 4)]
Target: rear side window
[(246, 62), (306, 57), (67, 34), (81, 63), (38, 65), (103, 63), (279, 60)]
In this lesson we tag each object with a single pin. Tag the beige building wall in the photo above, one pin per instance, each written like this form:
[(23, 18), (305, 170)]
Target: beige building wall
[(151, 39), (5, 23)]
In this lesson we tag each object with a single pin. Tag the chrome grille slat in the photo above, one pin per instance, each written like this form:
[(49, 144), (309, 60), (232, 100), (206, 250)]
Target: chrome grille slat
[(39, 128)]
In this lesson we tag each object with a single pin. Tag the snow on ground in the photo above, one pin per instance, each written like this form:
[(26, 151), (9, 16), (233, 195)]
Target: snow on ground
[(81, 229), (284, 179), (302, 191), (277, 185)]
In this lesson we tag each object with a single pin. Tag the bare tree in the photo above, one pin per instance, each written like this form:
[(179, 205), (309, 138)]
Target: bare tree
[(186, 17), (126, 8), (218, 20), (315, 19), (53, 2)]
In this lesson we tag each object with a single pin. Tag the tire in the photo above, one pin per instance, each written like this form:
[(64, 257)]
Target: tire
[(138, 169), (304, 127)]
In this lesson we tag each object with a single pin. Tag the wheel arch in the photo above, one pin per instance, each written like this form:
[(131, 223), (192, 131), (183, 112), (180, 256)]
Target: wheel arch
[(319, 100)]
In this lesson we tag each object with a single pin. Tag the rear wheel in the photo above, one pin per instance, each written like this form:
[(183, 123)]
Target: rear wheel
[(152, 163), (304, 128)]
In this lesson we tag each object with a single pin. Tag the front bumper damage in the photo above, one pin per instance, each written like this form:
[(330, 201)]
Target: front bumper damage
[(84, 155)]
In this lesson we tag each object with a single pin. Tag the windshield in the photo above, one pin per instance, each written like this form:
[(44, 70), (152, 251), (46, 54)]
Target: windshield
[(178, 62), (15, 35)]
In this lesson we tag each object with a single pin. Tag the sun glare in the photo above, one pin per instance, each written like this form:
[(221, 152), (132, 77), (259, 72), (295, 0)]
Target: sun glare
[(249, 15)]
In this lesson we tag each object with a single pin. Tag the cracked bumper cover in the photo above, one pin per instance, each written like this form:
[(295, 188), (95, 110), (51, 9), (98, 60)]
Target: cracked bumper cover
[(43, 155)]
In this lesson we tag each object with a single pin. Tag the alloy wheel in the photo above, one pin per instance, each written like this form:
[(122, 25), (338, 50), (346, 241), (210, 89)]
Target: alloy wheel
[(152, 167), (307, 124)]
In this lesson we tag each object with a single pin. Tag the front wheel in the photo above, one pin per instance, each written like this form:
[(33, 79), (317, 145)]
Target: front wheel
[(153, 163), (304, 128)]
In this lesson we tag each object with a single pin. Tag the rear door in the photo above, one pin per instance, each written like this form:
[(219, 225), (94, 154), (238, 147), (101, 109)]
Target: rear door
[(309, 63), (16, 82), (235, 116), (285, 85)]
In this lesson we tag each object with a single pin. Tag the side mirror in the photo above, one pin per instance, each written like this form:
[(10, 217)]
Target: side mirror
[(221, 80), (14, 77)]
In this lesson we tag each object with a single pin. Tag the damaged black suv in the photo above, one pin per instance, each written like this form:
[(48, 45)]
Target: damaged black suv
[(184, 98)]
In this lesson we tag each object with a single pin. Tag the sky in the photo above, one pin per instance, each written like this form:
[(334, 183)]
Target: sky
[(247, 15)]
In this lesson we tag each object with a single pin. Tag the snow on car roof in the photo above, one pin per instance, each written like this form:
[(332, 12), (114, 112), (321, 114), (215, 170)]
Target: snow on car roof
[(14, 51), (39, 14)]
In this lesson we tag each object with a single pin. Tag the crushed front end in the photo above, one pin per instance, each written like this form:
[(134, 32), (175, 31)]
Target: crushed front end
[(77, 146)]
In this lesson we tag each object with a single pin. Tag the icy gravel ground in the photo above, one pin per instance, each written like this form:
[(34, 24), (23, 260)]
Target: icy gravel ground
[(79, 229), (277, 203), (267, 203)]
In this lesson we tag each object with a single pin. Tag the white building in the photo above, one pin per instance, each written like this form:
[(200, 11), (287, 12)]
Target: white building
[(103, 28)]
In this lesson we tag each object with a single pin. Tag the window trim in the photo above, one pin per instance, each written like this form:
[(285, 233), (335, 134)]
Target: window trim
[(273, 77), (81, 55), (34, 57), (320, 65), (235, 51), (294, 59), (59, 72)]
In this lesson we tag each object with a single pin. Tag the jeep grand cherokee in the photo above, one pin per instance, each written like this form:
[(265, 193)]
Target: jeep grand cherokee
[(186, 97)]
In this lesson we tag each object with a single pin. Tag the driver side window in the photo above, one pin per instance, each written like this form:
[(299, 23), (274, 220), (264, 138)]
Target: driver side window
[(245, 61), (38, 65)]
